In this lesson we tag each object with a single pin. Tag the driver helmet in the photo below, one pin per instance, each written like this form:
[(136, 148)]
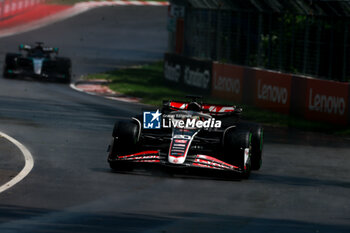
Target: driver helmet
[(194, 106)]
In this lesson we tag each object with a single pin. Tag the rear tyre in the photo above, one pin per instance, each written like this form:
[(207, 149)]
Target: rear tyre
[(64, 67), (237, 149), (257, 147), (257, 142)]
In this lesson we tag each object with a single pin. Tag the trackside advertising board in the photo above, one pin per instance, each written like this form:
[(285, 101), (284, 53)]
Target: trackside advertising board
[(9, 8), (264, 89), (173, 68), (227, 81), (327, 101), (273, 90), (309, 98), (190, 74)]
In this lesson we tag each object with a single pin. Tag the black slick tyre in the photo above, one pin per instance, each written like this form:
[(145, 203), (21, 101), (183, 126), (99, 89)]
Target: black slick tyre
[(10, 64), (237, 149), (125, 138), (257, 147), (64, 67)]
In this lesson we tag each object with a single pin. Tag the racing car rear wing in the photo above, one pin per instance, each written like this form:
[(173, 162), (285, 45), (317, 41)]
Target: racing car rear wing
[(212, 109)]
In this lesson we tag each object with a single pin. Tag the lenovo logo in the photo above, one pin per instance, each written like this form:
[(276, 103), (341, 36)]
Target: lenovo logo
[(272, 93), (226, 84), (327, 104)]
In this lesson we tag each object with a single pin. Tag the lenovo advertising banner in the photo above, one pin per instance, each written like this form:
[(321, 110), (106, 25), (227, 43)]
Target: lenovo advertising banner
[(327, 101), (273, 90), (264, 89), (227, 81), (190, 74), (305, 97)]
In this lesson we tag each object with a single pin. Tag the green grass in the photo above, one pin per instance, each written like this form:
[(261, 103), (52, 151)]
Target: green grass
[(146, 82)]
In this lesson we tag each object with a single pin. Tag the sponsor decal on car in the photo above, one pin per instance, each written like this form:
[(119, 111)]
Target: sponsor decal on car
[(180, 141)]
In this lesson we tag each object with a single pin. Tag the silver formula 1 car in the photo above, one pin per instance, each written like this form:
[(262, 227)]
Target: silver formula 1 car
[(38, 62), (201, 142)]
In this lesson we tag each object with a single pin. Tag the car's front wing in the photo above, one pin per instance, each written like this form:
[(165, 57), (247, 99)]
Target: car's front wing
[(199, 161)]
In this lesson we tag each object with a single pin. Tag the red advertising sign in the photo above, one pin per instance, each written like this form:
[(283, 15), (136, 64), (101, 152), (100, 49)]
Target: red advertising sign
[(13, 7), (272, 90), (227, 81), (327, 101)]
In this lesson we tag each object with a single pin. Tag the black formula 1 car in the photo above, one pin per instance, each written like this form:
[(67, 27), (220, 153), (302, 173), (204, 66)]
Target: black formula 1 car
[(190, 136), (38, 62)]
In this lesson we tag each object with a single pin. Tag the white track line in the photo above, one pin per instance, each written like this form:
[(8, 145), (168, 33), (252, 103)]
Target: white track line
[(29, 163)]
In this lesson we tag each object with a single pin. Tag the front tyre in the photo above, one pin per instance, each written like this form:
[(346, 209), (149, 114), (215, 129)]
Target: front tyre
[(125, 138), (7, 73), (238, 148), (64, 67), (10, 65)]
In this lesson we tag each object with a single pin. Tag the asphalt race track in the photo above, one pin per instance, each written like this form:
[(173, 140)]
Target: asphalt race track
[(303, 186)]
